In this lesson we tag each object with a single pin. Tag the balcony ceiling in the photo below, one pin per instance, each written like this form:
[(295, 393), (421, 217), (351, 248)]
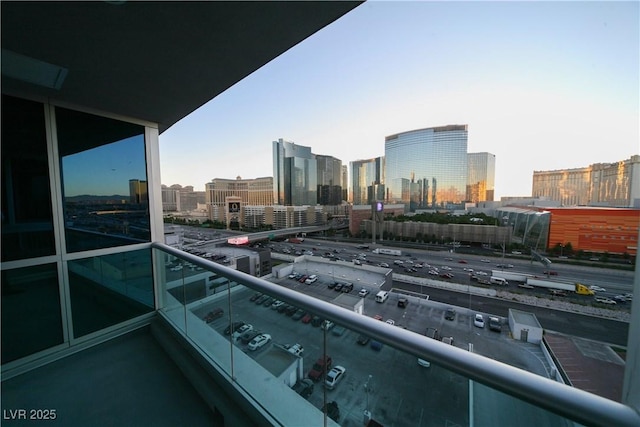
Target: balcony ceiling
[(155, 61)]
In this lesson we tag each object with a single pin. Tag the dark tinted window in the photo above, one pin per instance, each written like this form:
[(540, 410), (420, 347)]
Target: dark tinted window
[(27, 222)]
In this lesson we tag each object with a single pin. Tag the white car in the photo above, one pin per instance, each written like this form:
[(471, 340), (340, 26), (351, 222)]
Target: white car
[(470, 270), (241, 330), (424, 363), (296, 349), (478, 320), (334, 376), (445, 267), (259, 341), (596, 288), (485, 260), (391, 322), (363, 293), (605, 300)]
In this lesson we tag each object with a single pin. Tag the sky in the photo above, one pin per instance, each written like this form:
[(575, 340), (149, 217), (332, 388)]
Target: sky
[(542, 85)]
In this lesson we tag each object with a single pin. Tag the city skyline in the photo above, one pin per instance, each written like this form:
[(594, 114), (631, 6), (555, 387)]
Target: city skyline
[(551, 96)]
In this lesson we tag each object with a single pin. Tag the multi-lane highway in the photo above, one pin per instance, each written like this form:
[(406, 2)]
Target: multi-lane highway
[(591, 327)]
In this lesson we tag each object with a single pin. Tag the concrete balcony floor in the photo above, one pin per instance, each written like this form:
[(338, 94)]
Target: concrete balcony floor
[(128, 381)]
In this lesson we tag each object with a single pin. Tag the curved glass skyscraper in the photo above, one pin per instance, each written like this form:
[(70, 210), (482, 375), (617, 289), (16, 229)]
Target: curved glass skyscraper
[(427, 168)]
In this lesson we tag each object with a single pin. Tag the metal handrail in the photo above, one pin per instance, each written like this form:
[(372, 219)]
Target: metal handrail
[(586, 408)]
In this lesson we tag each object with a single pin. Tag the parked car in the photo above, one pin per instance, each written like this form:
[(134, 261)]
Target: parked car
[(255, 296), (338, 287), (478, 320), (316, 321), (233, 327), (296, 349), (241, 330), (259, 342), (268, 302), (423, 363), (334, 376), (450, 314), (248, 336), (332, 285), (363, 292), (362, 339), (390, 322), (319, 368), (332, 411), (403, 302), (338, 331), (304, 387), (277, 304), (261, 299), (347, 288), (299, 314), (213, 314), (290, 310), (307, 318), (376, 345), (495, 324), (327, 325)]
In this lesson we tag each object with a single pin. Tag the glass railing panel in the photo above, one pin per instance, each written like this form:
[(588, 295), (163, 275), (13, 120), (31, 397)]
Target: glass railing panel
[(274, 346), (384, 378)]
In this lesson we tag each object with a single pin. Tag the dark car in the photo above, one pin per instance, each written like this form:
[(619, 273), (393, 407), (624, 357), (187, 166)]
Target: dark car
[(248, 336), (304, 387), (376, 345), (261, 299), (299, 314), (403, 302), (232, 327), (450, 314), (338, 287), (316, 321), (213, 315), (289, 311), (363, 339), (495, 324), (283, 308), (347, 288), (268, 301), (332, 285), (255, 296), (332, 410)]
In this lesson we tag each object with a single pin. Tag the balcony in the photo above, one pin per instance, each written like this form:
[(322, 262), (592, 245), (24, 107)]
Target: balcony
[(186, 366)]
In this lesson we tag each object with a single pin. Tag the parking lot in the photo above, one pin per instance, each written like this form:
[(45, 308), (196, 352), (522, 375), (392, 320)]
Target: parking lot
[(389, 383)]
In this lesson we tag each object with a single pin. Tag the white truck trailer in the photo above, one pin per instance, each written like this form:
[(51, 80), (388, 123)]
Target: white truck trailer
[(385, 251)]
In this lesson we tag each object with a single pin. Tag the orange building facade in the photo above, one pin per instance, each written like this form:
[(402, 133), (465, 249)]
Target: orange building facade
[(594, 229)]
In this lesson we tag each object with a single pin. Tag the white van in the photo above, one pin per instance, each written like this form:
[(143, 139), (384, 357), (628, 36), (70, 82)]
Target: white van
[(382, 296), (311, 279), (498, 281)]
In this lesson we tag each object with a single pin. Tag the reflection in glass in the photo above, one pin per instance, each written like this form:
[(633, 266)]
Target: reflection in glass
[(27, 222), (110, 289), (31, 316), (104, 181)]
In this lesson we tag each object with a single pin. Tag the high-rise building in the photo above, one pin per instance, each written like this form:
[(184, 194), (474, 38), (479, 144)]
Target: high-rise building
[(481, 169), (329, 180), (251, 192), (367, 180), (295, 174), (436, 155), (600, 184), (345, 183), (181, 199)]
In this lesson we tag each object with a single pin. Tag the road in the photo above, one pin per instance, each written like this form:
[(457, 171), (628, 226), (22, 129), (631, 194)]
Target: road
[(590, 327)]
